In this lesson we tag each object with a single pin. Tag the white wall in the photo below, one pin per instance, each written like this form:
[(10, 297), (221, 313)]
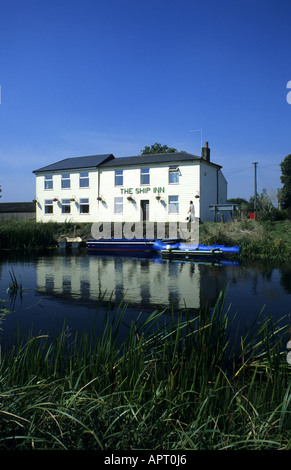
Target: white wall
[(74, 192), (196, 179), (213, 190), (187, 188)]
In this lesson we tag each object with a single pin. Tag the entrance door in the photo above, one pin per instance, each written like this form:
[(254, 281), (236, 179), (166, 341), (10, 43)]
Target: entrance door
[(144, 209)]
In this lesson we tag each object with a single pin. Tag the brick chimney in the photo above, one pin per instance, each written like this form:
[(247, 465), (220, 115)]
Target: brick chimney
[(205, 152)]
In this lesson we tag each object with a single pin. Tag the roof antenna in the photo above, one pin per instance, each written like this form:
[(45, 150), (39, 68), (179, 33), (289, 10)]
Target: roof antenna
[(197, 130)]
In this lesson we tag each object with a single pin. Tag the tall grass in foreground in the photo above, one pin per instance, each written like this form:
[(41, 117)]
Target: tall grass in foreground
[(170, 386)]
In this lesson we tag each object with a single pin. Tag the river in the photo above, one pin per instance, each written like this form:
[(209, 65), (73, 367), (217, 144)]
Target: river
[(77, 289)]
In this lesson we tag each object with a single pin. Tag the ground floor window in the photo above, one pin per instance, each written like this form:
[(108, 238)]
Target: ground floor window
[(84, 206), (173, 204), (66, 206), (118, 205), (48, 206)]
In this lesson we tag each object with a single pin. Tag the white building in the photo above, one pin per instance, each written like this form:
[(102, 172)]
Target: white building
[(155, 187)]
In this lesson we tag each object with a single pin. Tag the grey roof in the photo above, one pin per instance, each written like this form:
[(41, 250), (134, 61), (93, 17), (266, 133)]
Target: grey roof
[(153, 158), (92, 161)]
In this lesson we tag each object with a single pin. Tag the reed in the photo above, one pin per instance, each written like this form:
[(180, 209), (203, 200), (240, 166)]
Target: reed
[(176, 385), (258, 240)]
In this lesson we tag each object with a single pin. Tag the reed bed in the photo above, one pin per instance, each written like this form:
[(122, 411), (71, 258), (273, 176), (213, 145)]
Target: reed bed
[(177, 386), (258, 240)]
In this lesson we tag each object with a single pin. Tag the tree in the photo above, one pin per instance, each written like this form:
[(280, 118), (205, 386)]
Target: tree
[(285, 193), (157, 148)]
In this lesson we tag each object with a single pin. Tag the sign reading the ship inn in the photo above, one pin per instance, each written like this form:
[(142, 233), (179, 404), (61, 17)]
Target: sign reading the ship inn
[(141, 190)]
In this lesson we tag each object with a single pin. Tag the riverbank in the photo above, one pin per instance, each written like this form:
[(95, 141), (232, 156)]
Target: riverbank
[(154, 391), (258, 240)]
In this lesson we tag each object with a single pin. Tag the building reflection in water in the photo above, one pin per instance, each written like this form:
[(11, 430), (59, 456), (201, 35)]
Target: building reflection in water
[(144, 282)]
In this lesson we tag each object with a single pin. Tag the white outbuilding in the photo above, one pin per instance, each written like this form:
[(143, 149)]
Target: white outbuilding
[(154, 188)]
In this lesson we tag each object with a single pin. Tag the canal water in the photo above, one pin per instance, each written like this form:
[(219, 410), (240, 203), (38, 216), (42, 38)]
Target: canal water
[(77, 289)]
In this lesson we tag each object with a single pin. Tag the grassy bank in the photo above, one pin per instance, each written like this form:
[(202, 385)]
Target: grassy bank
[(32, 236), (263, 240), (176, 386), (258, 240)]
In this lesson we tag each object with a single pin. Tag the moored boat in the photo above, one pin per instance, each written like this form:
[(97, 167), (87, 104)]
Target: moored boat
[(124, 245), (186, 250)]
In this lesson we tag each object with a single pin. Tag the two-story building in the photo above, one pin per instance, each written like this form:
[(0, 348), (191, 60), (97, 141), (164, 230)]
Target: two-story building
[(154, 187)]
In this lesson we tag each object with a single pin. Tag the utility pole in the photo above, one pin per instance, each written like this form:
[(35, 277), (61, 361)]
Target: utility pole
[(255, 192)]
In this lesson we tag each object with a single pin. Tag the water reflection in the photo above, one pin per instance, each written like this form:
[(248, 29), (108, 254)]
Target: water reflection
[(70, 287), (146, 282)]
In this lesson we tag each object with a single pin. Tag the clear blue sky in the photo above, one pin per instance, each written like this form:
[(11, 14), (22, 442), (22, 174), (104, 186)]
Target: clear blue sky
[(83, 77)]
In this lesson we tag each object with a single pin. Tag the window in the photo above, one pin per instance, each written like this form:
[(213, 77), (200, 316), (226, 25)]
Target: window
[(66, 206), (173, 204), (48, 182), (84, 206), (118, 205), (66, 182), (84, 179), (145, 176), (118, 177), (174, 173), (48, 206)]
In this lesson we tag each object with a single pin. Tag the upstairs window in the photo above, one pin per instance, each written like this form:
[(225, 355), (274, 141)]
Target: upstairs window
[(66, 206), (145, 176), (66, 181), (174, 173), (84, 179), (48, 182), (118, 177), (84, 206), (173, 204)]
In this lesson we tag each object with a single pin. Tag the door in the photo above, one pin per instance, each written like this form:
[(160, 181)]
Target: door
[(144, 209)]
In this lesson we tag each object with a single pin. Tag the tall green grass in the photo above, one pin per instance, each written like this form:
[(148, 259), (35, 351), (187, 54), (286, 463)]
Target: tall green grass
[(258, 240), (176, 385), (31, 236)]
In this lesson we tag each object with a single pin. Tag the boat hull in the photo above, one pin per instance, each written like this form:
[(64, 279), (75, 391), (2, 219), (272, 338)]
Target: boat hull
[(120, 245), (184, 250)]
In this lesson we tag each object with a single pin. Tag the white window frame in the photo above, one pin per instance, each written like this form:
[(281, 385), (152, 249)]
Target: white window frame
[(173, 204), (66, 203), (83, 203), (174, 170), (144, 174), (118, 174), (48, 182), (84, 179), (66, 181), (48, 203), (118, 205)]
